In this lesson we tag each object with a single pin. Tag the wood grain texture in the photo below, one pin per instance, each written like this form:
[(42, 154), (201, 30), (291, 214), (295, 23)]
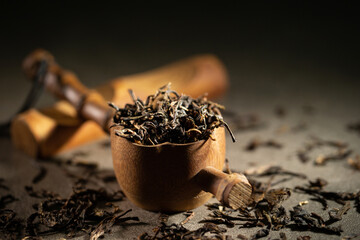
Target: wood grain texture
[(162, 177)]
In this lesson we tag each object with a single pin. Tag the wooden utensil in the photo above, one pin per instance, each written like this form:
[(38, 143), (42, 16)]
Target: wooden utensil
[(177, 177), (36, 132), (165, 177)]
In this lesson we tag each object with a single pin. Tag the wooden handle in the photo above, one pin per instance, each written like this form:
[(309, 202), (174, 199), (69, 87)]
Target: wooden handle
[(233, 190), (65, 85)]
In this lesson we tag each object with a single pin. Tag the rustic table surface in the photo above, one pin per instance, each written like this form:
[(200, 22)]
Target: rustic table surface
[(292, 64)]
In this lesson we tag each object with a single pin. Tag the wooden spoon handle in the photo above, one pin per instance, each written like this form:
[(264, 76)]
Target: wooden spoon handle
[(232, 190), (65, 85), (89, 104)]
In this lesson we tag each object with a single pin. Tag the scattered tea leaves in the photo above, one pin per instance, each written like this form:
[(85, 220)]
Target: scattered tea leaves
[(178, 231), (303, 238), (340, 155), (241, 122), (260, 234), (256, 143), (342, 151), (40, 176), (10, 226), (336, 214), (189, 215), (305, 221), (354, 162), (282, 236), (315, 189), (354, 127), (4, 200), (106, 224), (280, 111), (271, 170), (2, 185)]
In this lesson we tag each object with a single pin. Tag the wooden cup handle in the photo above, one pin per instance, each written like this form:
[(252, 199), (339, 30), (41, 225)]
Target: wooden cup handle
[(232, 190)]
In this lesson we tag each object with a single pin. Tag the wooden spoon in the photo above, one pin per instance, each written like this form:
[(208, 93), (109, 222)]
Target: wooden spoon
[(166, 177), (36, 131)]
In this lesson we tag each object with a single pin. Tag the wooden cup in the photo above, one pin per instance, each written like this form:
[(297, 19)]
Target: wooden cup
[(175, 177)]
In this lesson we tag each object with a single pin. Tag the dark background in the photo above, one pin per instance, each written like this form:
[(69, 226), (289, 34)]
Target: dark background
[(101, 35), (102, 41)]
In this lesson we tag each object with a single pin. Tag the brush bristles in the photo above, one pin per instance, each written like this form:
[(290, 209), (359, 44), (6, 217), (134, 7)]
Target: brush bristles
[(239, 196)]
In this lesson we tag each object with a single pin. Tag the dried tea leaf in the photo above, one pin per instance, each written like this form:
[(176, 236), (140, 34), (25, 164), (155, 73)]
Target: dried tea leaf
[(280, 111), (178, 231), (355, 127), (2, 185), (316, 142), (282, 236), (242, 237), (10, 226), (270, 170), (4, 200), (239, 122), (167, 116), (354, 162), (303, 238), (106, 224), (256, 143), (305, 221), (189, 215), (260, 234), (336, 214), (340, 155)]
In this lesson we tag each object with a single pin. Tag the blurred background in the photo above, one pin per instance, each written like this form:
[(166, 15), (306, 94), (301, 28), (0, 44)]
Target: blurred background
[(273, 51)]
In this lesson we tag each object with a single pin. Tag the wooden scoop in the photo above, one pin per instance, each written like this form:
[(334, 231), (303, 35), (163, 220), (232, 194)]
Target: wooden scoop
[(36, 131), (177, 177), (165, 177)]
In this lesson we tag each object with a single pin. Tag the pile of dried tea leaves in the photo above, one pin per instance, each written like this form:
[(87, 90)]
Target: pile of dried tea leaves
[(267, 211), (167, 116), (10, 224), (90, 210)]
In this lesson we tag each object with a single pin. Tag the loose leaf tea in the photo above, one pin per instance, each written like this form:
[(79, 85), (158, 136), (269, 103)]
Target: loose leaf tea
[(167, 116), (323, 196), (178, 231), (242, 122), (354, 162), (305, 221), (87, 210), (10, 226), (270, 170), (342, 151), (40, 176), (280, 111), (354, 127), (80, 212), (2, 185), (267, 210), (255, 143), (260, 234), (189, 215), (340, 155)]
